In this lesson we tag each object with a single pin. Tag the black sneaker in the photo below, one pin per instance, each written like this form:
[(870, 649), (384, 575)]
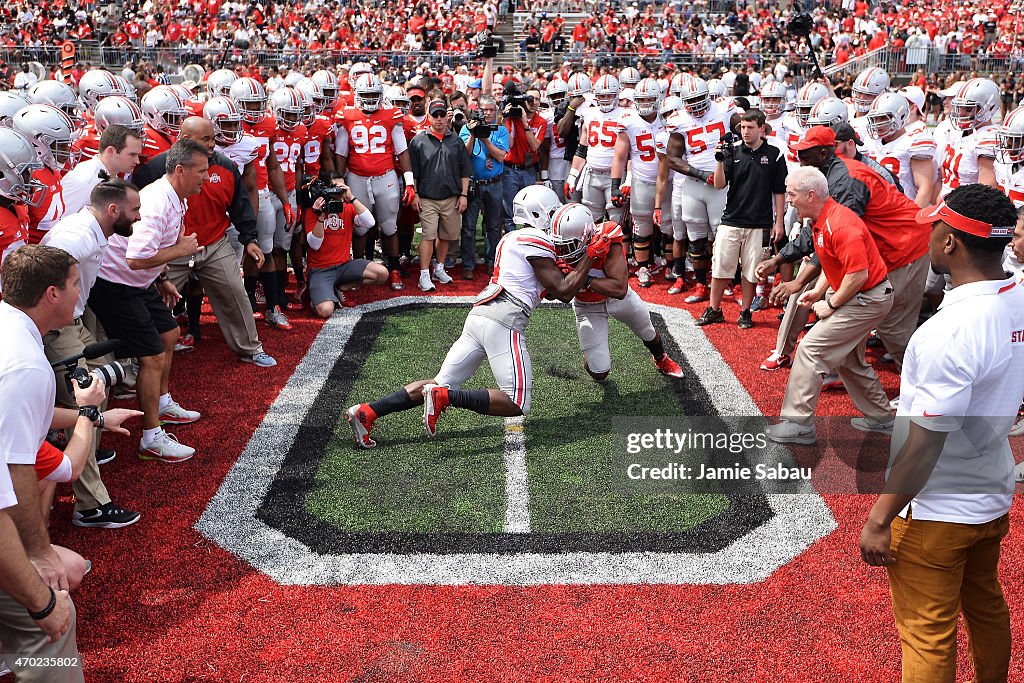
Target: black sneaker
[(105, 455), (710, 315), (746, 320), (107, 516)]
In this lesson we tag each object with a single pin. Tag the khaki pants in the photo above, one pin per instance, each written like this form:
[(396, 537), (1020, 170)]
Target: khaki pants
[(941, 570), (908, 284), (793, 322), (20, 636), (217, 270), (68, 341), (838, 342)]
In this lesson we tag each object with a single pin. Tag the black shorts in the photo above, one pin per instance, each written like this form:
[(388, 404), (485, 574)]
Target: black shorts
[(135, 316), (322, 281)]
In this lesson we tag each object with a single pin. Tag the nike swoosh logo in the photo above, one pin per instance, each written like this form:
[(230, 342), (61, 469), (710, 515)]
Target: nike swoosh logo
[(927, 414)]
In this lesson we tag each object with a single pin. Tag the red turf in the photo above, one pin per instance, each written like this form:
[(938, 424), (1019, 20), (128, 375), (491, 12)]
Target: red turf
[(164, 604)]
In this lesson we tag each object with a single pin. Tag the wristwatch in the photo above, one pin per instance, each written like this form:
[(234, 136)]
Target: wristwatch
[(829, 302), (93, 413)]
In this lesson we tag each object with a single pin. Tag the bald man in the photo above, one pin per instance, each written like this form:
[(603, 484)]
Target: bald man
[(222, 202)]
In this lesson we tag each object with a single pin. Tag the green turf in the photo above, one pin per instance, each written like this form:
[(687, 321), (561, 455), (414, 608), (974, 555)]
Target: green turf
[(456, 483)]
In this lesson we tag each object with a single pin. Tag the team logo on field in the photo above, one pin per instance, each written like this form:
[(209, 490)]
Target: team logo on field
[(519, 502)]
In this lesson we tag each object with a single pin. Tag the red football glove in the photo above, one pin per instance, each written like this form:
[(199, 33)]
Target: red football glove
[(657, 217), (410, 195), (563, 266), (625, 190), (599, 246), (289, 215), (568, 188)]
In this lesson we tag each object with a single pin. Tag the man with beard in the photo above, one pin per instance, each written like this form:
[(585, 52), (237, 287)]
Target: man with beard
[(113, 207)]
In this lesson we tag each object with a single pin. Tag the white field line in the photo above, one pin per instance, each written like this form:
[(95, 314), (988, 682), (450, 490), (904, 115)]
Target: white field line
[(517, 484)]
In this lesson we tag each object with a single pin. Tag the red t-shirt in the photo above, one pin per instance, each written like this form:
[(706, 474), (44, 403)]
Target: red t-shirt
[(844, 245), (337, 247), (891, 218)]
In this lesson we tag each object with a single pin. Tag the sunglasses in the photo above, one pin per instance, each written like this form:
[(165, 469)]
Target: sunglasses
[(442, 115)]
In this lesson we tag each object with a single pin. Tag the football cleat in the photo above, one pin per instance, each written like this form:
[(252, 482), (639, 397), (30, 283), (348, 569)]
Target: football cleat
[(435, 401), (667, 366), (700, 293), (395, 281), (678, 287), (360, 417), (643, 276)]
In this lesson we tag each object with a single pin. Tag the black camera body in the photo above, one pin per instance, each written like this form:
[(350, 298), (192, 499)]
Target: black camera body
[(110, 374), (725, 147), (334, 196), (482, 130), (515, 101), (488, 45), (801, 25)]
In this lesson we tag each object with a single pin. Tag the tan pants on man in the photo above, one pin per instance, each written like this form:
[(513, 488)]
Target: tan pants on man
[(838, 342), (20, 637), (942, 570), (90, 493), (217, 271)]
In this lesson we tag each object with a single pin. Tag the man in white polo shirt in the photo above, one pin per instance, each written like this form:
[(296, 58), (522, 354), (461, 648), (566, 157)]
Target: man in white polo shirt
[(113, 207), (938, 526), (132, 297), (120, 147), (41, 293)]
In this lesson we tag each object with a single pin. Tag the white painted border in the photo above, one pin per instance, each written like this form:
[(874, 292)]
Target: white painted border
[(230, 519)]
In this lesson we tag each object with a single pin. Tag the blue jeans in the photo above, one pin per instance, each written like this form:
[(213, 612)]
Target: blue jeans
[(513, 180), (488, 199)]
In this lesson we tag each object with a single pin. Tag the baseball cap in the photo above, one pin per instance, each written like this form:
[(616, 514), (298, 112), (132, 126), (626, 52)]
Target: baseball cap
[(477, 83), (952, 90), (416, 90), (437, 107), (972, 226), (845, 132), (818, 136), (914, 95)]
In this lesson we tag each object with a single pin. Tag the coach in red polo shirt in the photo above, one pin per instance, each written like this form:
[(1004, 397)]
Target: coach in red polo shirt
[(852, 295)]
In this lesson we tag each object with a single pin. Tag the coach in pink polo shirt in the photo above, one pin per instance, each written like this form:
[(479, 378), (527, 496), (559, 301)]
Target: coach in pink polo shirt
[(132, 297)]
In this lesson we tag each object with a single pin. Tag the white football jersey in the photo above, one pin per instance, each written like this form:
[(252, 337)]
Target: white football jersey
[(895, 155), (513, 271), (1011, 181), (242, 152), (661, 147), (958, 161), (789, 130), (860, 126), (599, 131), (558, 166), (643, 152), (703, 135)]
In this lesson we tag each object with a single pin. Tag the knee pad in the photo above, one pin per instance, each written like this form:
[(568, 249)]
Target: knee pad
[(698, 249), (643, 243)]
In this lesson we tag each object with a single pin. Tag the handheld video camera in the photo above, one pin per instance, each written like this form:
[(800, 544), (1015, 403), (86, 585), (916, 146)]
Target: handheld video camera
[(488, 46), (334, 195), (515, 100), (482, 130), (725, 147)]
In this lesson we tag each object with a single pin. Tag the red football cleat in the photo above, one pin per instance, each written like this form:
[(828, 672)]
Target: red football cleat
[(395, 281), (678, 287), (360, 418), (435, 401), (776, 361), (668, 367), (700, 293)]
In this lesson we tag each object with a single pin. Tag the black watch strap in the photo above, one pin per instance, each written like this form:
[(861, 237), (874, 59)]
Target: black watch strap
[(91, 412)]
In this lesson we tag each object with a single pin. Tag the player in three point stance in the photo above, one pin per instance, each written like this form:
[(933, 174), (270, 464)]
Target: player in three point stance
[(525, 266), (609, 296)]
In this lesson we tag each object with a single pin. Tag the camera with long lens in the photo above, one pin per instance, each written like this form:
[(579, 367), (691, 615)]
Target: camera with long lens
[(488, 46), (725, 146), (515, 100), (483, 129), (801, 24), (334, 196), (109, 374)]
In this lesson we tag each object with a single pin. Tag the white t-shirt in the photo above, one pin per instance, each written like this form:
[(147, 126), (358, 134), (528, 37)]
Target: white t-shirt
[(81, 236), (27, 392), (962, 375)]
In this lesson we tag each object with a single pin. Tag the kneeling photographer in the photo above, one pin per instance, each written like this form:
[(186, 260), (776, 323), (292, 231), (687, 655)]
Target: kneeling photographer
[(329, 226), (488, 144)]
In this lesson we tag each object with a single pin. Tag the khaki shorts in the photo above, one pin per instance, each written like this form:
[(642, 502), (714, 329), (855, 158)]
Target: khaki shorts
[(734, 246), (440, 218)]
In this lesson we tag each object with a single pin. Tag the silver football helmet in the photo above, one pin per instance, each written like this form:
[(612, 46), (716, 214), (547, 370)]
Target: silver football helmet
[(394, 96), (807, 97), (18, 159), (629, 77), (61, 95), (226, 118), (828, 112), (696, 97), (122, 111), (286, 105), (328, 83), (368, 92), (51, 132), (572, 228), (675, 86), (975, 104), (889, 114), (773, 98), (870, 83), (98, 84), (10, 104), (717, 89), (251, 98), (164, 110), (534, 205), (218, 84), (579, 85), (647, 97), (556, 91), (1010, 138)]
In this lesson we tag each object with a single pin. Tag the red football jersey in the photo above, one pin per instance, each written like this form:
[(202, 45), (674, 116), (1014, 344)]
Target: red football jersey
[(195, 107), (337, 246), (288, 146), (610, 228), (52, 207), (13, 229), (156, 144), (317, 136), (88, 145), (371, 149), (264, 132), (412, 126)]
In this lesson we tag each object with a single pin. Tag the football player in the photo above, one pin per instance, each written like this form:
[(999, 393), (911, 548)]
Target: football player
[(691, 151), (558, 165), (1010, 157), (288, 108), (93, 88), (635, 144), (869, 85), (596, 149), (664, 215), (369, 137), (969, 151), (18, 191), (51, 132), (910, 158), (251, 100), (164, 111), (525, 270)]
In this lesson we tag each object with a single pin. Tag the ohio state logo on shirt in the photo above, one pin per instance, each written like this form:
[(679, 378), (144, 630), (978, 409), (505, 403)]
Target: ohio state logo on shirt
[(215, 177), (334, 222)]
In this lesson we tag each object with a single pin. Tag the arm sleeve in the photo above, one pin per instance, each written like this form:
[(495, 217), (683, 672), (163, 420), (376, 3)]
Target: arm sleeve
[(364, 219), (314, 242), (398, 139), (341, 141), (241, 211)]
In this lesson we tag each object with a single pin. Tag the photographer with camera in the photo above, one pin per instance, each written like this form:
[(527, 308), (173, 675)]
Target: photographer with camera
[(113, 208), (330, 225), (755, 204), (526, 130), (488, 144)]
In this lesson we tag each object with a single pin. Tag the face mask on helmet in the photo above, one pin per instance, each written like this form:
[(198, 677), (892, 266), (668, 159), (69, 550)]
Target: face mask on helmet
[(697, 106), (369, 102), (803, 114), (556, 98), (253, 111), (1010, 147), (771, 105), (228, 130), (881, 124), (963, 114), (288, 119), (862, 101), (606, 101)]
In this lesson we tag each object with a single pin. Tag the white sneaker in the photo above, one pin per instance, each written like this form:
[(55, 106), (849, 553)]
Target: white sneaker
[(425, 284), (165, 448), (261, 359), (174, 414), (792, 432), (441, 276), (866, 425), (643, 276), (1018, 473)]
